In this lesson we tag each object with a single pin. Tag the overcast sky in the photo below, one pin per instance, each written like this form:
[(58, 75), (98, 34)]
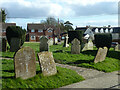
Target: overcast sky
[(79, 12)]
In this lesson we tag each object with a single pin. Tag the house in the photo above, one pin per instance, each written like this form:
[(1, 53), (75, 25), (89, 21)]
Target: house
[(3, 27), (115, 31), (36, 30)]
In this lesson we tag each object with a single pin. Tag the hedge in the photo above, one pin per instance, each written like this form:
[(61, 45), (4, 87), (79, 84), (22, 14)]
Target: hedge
[(103, 39), (75, 34), (15, 31)]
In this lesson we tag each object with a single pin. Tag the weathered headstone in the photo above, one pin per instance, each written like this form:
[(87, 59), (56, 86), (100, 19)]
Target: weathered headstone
[(25, 63), (101, 55), (85, 47), (90, 45), (47, 63), (44, 44), (75, 47), (3, 44), (66, 41), (15, 44), (116, 48), (50, 41)]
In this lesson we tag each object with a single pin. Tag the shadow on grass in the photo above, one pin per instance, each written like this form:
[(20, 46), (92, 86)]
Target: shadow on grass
[(10, 71), (90, 52), (10, 77), (81, 61), (7, 56)]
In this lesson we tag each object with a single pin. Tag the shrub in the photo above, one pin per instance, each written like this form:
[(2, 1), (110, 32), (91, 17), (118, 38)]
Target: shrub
[(15, 31), (75, 34), (103, 39)]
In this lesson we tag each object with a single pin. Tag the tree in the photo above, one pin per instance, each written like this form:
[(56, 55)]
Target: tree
[(50, 21), (3, 15), (68, 26)]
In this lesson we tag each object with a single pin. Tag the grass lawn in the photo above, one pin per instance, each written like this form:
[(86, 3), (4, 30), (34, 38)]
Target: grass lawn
[(84, 59), (63, 77)]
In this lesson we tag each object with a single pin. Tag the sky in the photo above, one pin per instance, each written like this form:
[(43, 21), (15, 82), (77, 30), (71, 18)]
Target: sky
[(78, 12)]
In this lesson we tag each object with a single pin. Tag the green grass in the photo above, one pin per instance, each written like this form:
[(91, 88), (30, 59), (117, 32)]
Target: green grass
[(84, 59), (63, 77)]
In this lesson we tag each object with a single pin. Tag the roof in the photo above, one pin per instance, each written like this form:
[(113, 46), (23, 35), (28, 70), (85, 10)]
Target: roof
[(39, 26), (115, 29), (5, 25)]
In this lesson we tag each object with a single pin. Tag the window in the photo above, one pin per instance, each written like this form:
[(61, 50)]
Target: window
[(3, 30), (32, 30), (49, 30), (40, 30), (32, 37)]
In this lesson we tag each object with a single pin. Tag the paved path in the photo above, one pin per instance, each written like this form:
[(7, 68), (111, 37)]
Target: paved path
[(94, 78)]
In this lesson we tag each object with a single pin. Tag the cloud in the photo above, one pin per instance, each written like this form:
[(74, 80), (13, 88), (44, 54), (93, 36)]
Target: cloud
[(58, 8)]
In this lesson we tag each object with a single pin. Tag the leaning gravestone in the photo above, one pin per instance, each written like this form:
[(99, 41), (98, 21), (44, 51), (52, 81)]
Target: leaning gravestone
[(75, 47), (15, 44), (47, 63), (25, 63), (3, 44), (44, 44), (66, 41), (90, 45), (101, 54)]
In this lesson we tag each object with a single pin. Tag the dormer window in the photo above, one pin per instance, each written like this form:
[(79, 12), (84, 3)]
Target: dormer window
[(96, 30), (40, 30), (32, 30), (49, 30)]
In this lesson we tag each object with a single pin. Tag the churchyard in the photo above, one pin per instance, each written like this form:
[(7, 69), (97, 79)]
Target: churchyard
[(33, 65)]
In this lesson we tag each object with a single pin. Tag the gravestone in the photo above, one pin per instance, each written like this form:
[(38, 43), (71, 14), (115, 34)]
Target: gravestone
[(85, 47), (25, 63), (116, 48), (66, 41), (44, 44), (47, 63), (56, 40), (3, 44), (101, 54), (75, 47), (15, 44), (90, 45), (50, 41)]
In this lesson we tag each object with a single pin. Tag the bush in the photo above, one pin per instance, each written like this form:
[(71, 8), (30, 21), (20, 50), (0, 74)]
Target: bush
[(15, 31), (75, 34), (103, 40)]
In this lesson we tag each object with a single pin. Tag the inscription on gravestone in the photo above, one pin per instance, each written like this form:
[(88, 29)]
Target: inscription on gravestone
[(25, 63), (47, 63), (44, 44), (75, 47), (101, 54)]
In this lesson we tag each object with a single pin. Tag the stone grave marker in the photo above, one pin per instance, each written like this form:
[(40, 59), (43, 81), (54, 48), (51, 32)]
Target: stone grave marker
[(44, 44), (15, 44), (101, 55), (66, 41), (85, 47), (25, 63), (56, 40), (47, 63), (90, 45), (3, 44), (116, 48), (50, 41), (75, 47)]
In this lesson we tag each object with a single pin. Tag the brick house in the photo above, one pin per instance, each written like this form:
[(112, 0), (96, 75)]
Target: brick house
[(35, 30), (3, 27)]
